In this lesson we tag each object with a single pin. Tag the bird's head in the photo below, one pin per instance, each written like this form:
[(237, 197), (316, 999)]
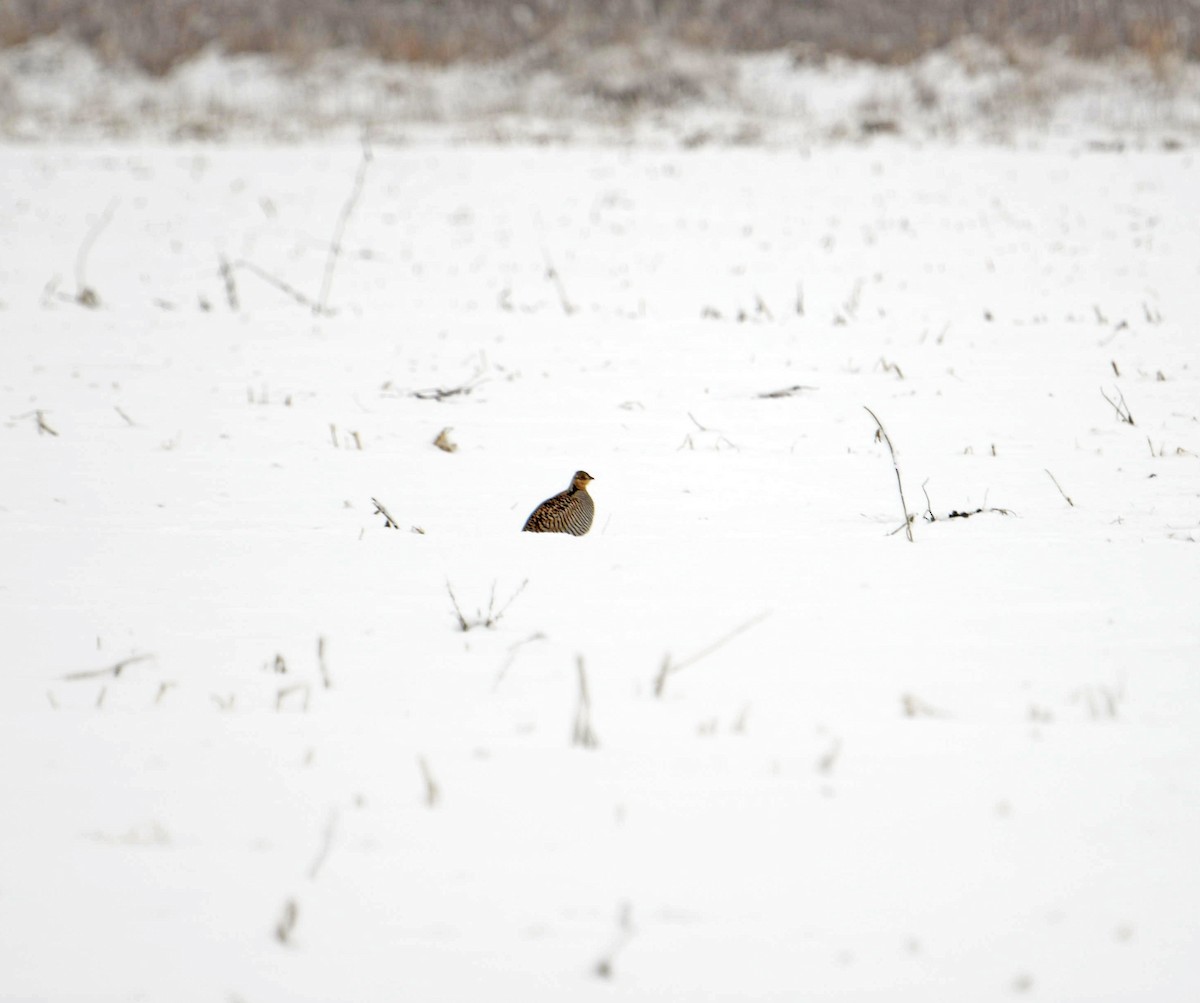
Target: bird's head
[(581, 480)]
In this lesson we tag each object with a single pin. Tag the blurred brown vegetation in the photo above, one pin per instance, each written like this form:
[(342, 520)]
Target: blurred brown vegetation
[(156, 35)]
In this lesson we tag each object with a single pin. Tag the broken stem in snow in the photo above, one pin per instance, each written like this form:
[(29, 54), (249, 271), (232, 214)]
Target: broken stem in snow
[(1059, 486), (326, 845), (583, 734), (226, 272), (278, 283), (1119, 406), (668, 668), (605, 966), (552, 274), (287, 921), (335, 242), (432, 793), (882, 434), (325, 680), (112, 670), (84, 294), (390, 523)]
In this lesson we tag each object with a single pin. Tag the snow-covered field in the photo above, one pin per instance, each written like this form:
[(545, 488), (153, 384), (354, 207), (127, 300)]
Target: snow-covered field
[(249, 753)]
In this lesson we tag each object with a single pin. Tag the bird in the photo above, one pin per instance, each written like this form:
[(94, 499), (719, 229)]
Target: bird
[(568, 511)]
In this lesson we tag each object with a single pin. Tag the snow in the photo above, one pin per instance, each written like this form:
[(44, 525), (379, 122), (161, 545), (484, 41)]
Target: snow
[(961, 768)]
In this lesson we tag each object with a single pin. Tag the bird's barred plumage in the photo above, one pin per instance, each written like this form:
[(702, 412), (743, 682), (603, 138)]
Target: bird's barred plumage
[(569, 511)]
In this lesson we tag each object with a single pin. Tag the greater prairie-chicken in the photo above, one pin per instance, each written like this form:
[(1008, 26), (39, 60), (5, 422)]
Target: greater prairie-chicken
[(569, 511)]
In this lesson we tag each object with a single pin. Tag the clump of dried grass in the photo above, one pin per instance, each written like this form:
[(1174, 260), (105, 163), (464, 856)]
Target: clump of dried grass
[(157, 35)]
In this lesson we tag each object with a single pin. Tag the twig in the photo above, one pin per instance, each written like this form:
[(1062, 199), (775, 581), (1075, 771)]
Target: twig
[(335, 242), (324, 669), (668, 668), (882, 434), (462, 620), (582, 734), (785, 392), (625, 931), (42, 427), (553, 276), (112, 670), (955, 514), (432, 793), (491, 620), (1119, 405), (1059, 486), (326, 845), (827, 761), (442, 393), (287, 921), (284, 287), (513, 649), (914, 706), (226, 273), (286, 691), (493, 615), (389, 522), (128, 420), (84, 295)]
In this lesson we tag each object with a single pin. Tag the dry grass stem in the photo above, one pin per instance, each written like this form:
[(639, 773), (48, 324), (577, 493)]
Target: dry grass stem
[(326, 845), (582, 734), (1059, 486), (339, 229), (112, 670), (286, 924), (389, 522), (84, 294), (670, 668), (433, 793), (881, 434)]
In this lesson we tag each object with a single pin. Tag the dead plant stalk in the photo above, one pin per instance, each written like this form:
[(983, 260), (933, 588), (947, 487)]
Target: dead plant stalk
[(882, 434)]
